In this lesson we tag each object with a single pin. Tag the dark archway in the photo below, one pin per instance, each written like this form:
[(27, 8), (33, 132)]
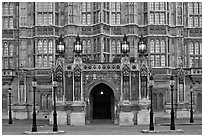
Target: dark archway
[(102, 102)]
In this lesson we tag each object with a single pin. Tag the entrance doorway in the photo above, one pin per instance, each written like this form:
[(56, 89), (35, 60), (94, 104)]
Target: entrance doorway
[(102, 102)]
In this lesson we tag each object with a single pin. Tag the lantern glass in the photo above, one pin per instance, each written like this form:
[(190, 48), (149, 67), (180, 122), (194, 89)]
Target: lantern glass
[(78, 47), (142, 47), (125, 47), (60, 47), (54, 83), (172, 82), (9, 90), (34, 84), (151, 81)]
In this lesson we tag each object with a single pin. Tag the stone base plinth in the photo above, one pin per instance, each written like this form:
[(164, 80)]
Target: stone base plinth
[(77, 118), (182, 113), (22, 115), (126, 118), (143, 117), (61, 118)]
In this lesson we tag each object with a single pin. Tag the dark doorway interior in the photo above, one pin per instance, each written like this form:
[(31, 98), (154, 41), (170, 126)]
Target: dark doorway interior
[(102, 102)]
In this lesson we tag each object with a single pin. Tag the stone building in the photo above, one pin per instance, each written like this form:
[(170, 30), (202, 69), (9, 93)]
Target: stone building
[(173, 33)]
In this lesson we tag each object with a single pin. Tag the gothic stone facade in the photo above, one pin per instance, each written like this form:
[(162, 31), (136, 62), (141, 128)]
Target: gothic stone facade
[(174, 40)]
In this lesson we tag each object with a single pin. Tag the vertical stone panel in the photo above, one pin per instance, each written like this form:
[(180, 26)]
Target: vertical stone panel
[(69, 86), (135, 86)]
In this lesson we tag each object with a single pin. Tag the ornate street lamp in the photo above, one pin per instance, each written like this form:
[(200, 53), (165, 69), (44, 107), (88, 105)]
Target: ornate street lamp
[(60, 45), (54, 84), (77, 45), (142, 46), (191, 111), (34, 85), (172, 126), (10, 113), (151, 83), (125, 45)]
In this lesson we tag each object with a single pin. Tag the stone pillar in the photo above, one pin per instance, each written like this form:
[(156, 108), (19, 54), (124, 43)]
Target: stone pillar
[(77, 116), (126, 115)]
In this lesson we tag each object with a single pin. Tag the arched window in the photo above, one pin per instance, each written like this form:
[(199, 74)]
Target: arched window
[(195, 8), (118, 18), (163, 46), (45, 46), (196, 62), (11, 23), (39, 18), (40, 46), (196, 48), (151, 5), (50, 19), (83, 6), (157, 46), (84, 46), (113, 47), (6, 9), (113, 18), (45, 61), (152, 46), (163, 60), (50, 47), (89, 47), (6, 22), (83, 18), (88, 18), (118, 6), (45, 18), (50, 6), (157, 61), (191, 48), (5, 49), (113, 6), (191, 63), (39, 61), (11, 8), (10, 49), (118, 46), (200, 47)]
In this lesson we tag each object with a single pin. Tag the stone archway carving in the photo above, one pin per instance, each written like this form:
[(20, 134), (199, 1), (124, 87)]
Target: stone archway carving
[(95, 83), (88, 91)]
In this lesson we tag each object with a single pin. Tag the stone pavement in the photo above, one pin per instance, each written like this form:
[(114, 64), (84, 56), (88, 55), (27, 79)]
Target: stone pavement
[(97, 128)]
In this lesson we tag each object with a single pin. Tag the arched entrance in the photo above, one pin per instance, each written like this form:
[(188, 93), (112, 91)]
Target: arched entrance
[(102, 102)]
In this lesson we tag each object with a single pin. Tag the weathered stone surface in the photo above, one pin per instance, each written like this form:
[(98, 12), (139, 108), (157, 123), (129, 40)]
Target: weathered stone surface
[(143, 117), (126, 118), (77, 119), (61, 118)]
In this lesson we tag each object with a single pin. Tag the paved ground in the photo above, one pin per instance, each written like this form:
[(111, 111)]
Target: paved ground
[(20, 126)]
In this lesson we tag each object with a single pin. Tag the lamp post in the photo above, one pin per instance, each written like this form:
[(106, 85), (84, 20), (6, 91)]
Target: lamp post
[(10, 113), (172, 126), (125, 45), (151, 83), (54, 84), (34, 85), (191, 111), (60, 48)]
